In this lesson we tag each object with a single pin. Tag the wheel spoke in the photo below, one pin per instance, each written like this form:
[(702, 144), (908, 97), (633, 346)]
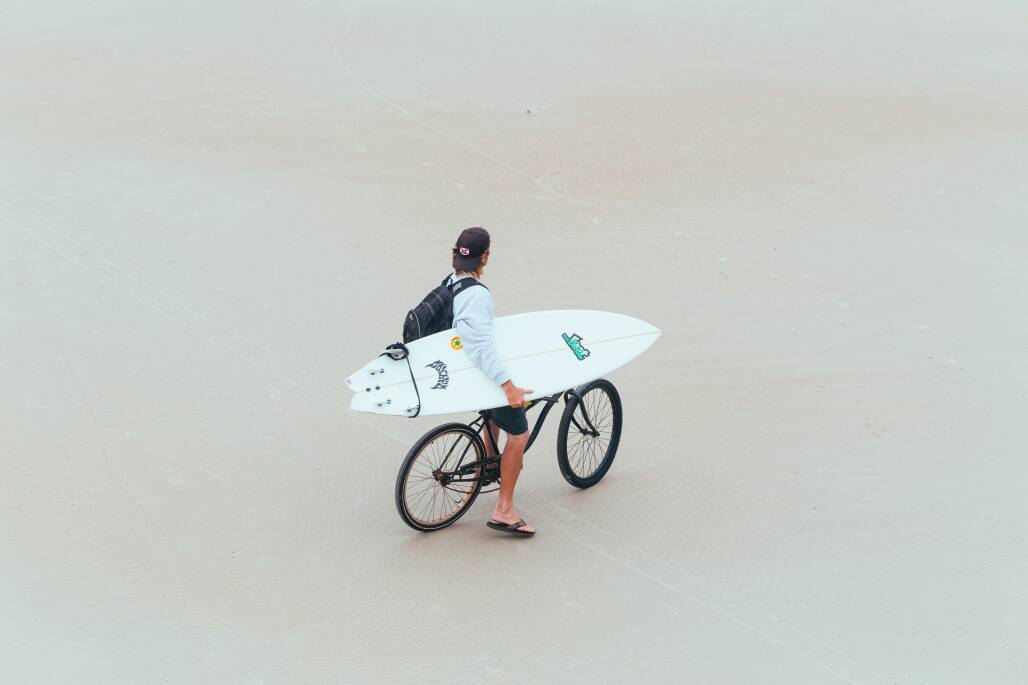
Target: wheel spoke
[(427, 500), (584, 452)]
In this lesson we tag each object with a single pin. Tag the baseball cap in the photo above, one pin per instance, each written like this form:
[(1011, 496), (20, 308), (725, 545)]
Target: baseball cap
[(471, 245)]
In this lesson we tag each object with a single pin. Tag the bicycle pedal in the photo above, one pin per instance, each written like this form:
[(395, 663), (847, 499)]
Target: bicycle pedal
[(490, 474)]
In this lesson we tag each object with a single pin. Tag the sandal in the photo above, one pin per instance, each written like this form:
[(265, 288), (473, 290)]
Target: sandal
[(512, 528)]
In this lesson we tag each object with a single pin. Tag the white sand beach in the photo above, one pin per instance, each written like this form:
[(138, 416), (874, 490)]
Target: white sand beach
[(211, 213)]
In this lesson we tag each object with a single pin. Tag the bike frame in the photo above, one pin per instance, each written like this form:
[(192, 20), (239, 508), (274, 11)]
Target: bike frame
[(484, 423)]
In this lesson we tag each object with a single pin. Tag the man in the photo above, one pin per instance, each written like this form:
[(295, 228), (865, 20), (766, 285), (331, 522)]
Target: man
[(473, 319)]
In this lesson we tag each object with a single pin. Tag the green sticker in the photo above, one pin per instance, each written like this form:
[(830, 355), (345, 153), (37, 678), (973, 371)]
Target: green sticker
[(574, 341)]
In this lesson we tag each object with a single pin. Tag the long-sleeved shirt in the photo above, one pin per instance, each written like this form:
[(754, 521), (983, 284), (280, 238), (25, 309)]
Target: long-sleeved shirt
[(473, 319)]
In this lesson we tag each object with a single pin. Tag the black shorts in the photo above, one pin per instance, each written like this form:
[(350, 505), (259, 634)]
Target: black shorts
[(510, 419)]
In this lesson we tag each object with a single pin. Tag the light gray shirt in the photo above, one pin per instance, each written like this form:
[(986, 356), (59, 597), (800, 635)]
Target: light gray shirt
[(473, 319)]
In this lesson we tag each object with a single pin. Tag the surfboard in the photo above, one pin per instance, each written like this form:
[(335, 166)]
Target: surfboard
[(548, 351)]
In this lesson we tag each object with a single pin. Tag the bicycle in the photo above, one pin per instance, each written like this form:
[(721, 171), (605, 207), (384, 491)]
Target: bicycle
[(438, 481)]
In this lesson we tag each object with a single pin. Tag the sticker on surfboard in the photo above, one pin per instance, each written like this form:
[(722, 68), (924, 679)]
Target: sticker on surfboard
[(574, 341), (444, 376)]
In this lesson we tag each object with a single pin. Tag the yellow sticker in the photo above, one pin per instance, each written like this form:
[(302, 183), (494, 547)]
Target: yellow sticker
[(455, 343)]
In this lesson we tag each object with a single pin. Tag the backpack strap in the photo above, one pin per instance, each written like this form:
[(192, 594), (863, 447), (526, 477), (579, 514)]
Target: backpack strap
[(462, 284)]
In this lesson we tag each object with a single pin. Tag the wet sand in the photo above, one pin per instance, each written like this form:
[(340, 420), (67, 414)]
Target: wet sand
[(209, 216)]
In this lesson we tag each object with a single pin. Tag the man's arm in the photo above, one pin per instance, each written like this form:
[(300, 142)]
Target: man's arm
[(473, 320)]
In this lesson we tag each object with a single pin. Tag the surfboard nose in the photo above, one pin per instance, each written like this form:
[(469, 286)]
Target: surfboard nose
[(637, 326)]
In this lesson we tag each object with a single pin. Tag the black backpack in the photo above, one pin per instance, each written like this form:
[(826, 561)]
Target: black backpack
[(435, 312)]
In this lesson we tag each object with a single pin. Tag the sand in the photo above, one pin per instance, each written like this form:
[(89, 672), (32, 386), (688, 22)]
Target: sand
[(210, 213)]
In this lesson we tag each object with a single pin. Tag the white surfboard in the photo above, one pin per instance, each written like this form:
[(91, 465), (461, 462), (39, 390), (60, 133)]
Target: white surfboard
[(546, 351)]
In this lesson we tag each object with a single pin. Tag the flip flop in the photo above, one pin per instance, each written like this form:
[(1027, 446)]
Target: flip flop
[(511, 528)]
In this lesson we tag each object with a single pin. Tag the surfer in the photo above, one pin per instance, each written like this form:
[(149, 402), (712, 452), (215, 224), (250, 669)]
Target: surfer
[(473, 320)]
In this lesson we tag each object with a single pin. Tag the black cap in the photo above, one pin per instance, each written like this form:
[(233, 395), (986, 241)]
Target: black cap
[(471, 245)]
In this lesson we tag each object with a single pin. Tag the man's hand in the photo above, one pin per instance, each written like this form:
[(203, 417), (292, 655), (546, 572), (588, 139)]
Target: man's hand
[(515, 395)]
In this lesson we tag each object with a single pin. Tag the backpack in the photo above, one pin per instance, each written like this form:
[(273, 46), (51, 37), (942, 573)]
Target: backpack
[(435, 312)]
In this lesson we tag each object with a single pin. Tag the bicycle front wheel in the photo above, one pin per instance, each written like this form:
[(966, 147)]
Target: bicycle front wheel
[(586, 448), (434, 487)]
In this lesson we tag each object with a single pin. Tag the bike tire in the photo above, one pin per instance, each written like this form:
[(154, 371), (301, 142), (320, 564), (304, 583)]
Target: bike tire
[(589, 458), (411, 501)]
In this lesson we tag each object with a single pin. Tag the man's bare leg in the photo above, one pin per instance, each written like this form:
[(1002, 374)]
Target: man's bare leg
[(489, 451), (510, 469)]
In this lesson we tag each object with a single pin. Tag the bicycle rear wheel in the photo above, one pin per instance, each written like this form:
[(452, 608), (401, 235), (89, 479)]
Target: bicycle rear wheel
[(585, 452), (429, 494)]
